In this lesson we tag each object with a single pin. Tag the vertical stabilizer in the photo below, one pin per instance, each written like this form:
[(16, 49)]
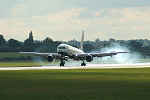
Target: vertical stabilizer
[(82, 40)]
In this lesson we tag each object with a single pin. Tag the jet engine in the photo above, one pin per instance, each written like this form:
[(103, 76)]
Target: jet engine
[(50, 58), (89, 58)]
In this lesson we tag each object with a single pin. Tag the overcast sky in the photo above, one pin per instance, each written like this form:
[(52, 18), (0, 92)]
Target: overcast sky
[(66, 19)]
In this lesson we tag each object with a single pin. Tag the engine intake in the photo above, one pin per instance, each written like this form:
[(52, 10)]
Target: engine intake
[(50, 58), (89, 58)]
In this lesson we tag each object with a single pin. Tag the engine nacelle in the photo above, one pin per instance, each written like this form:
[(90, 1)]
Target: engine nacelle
[(50, 58), (89, 58)]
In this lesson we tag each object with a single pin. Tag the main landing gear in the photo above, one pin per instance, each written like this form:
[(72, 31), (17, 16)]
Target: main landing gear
[(83, 64), (62, 61)]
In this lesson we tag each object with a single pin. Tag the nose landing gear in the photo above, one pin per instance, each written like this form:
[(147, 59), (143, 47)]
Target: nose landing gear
[(62, 61)]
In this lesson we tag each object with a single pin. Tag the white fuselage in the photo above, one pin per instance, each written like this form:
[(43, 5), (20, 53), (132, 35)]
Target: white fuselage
[(68, 50)]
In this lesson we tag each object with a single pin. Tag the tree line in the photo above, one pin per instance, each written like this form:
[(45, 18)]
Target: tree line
[(48, 45), (141, 46), (29, 45)]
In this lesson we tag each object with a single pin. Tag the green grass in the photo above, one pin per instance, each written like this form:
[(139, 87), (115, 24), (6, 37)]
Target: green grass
[(20, 64), (28, 63), (81, 84), (12, 54)]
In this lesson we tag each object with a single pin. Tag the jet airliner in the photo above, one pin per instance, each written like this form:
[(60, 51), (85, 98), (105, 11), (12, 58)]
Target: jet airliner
[(66, 52)]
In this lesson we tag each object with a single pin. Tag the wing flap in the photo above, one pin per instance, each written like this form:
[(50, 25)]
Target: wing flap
[(41, 54), (100, 54)]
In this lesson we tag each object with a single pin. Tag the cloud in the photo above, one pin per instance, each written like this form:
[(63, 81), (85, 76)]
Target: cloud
[(72, 25), (18, 10), (121, 17), (124, 14), (65, 20), (109, 3), (98, 22), (62, 16)]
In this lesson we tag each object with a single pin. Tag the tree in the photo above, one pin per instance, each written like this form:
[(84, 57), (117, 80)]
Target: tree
[(111, 40), (48, 45), (31, 36), (13, 43), (29, 43), (2, 40), (97, 40), (48, 40), (88, 47), (122, 43), (135, 46)]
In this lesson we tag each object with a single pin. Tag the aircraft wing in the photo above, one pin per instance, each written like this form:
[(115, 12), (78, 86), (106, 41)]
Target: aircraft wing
[(100, 54), (41, 54)]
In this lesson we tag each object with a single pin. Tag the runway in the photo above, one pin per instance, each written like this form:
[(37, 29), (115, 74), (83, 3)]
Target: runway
[(90, 66)]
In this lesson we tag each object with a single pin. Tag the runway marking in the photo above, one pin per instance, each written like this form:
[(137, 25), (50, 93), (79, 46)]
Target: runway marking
[(90, 66)]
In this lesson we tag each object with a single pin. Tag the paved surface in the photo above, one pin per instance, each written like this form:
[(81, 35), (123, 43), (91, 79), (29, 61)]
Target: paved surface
[(90, 66)]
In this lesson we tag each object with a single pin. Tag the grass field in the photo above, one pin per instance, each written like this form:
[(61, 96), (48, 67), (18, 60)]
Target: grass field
[(12, 54), (28, 63), (38, 62), (87, 84), (20, 64)]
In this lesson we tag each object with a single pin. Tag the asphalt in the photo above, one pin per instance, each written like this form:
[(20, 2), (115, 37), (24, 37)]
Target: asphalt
[(90, 66)]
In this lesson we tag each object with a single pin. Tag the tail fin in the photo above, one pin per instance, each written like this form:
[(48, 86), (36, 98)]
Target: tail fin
[(82, 40)]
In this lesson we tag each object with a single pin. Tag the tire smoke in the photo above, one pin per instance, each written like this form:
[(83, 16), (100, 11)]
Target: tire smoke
[(124, 58)]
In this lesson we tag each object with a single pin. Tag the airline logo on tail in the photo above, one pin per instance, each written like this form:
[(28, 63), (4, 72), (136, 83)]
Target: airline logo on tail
[(82, 40)]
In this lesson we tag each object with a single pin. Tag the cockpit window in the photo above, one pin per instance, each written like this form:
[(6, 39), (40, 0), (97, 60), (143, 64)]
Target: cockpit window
[(61, 48)]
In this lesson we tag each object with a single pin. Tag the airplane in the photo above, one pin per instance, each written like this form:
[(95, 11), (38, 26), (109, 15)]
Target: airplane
[(66, 52)]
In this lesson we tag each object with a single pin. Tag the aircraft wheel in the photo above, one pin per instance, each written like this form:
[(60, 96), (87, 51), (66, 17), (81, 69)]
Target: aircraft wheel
[(62, 64), (83, 64)]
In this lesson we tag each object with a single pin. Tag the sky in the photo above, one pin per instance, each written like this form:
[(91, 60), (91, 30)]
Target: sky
[(65, 20)]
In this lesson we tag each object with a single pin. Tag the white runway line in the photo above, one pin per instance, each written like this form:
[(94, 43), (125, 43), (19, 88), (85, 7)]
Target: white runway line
[(90, 66)]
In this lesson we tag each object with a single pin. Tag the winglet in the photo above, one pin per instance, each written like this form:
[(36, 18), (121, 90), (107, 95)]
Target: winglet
[(82, 40)]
